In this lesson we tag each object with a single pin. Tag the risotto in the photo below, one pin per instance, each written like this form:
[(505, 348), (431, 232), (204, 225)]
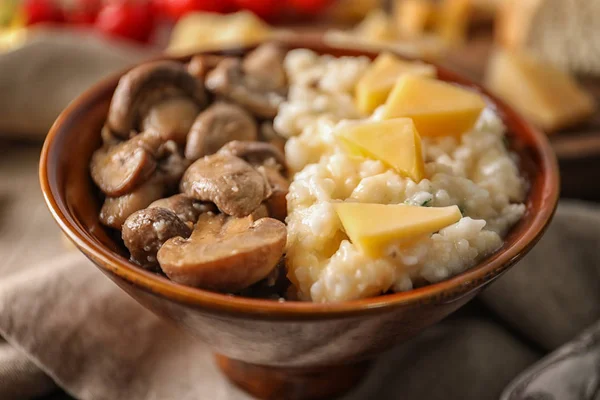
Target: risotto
[(474, 171), (290, 175)]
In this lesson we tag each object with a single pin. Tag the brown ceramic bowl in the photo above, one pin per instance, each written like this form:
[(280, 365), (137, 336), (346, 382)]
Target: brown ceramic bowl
[(282, 350)]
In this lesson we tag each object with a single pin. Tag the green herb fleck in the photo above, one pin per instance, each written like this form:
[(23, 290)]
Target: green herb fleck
[(426, 203)]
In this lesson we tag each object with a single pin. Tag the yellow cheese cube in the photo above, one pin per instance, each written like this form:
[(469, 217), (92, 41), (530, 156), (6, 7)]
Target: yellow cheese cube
[(395, 142), (377, 82), (437, 108), (549, 97), (373, 227)]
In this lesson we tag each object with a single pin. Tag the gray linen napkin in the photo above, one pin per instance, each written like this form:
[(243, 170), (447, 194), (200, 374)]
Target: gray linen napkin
[(37, 79), (555, 293), (61, 316)]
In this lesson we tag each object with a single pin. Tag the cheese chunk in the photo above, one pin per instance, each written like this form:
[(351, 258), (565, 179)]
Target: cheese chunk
[(376, 27), (373, 227), (547, 96), (377, 82), (453, 21), (395, 142), (437, 108), (413, 17), (198, 31)]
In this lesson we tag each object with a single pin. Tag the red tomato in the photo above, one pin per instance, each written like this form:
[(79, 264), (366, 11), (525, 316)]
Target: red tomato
[(178, 8), (130, 20), (310, 7), (37, 11), (159, 8), (83, 12), (266, 9)]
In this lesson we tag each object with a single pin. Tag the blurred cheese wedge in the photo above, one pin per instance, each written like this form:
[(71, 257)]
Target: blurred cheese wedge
[(563, 32), (452, 21), (394, 142), (373, 227), (12, 38), (377, 82), (546, 95), (413, 17), (204, 31), (376, 27), (437, 108)]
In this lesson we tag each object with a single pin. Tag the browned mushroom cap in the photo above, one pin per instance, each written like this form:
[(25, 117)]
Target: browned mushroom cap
[(146, 230), (266, 63), (217, 125), (200, 65), (118, 170), (186, 208), (172, 117), (115, 210), (256, 153), (229, 80), (224, 253), (146, 86), (232, 184)]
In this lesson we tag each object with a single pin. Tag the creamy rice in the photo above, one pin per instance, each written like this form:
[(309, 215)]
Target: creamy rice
[(475, 172)]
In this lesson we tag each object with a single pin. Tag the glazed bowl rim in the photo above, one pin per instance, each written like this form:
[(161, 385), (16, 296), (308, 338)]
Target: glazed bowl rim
[(454, 287)]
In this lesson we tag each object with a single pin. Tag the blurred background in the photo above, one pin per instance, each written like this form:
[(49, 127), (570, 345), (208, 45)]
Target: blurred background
[(537, 55), (541, 56)]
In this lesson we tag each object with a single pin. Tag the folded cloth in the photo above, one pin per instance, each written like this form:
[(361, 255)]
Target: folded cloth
[(555, 293), (62, 314), (37, 78), (19, 377)]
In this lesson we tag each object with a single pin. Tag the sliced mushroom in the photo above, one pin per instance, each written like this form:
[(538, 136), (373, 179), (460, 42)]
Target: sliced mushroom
[(267, 133), (256, 153), (217, 125), (119, 169), (186, 208), (149, 85), (270, 162), (229, 80), (173, 118), (224, 253), (232, 184), (200, 65), (266, 64), (145, 231), (115, 210)]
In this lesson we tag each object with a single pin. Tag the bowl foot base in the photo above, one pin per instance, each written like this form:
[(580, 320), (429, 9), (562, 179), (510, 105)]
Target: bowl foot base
[(281, 383)]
